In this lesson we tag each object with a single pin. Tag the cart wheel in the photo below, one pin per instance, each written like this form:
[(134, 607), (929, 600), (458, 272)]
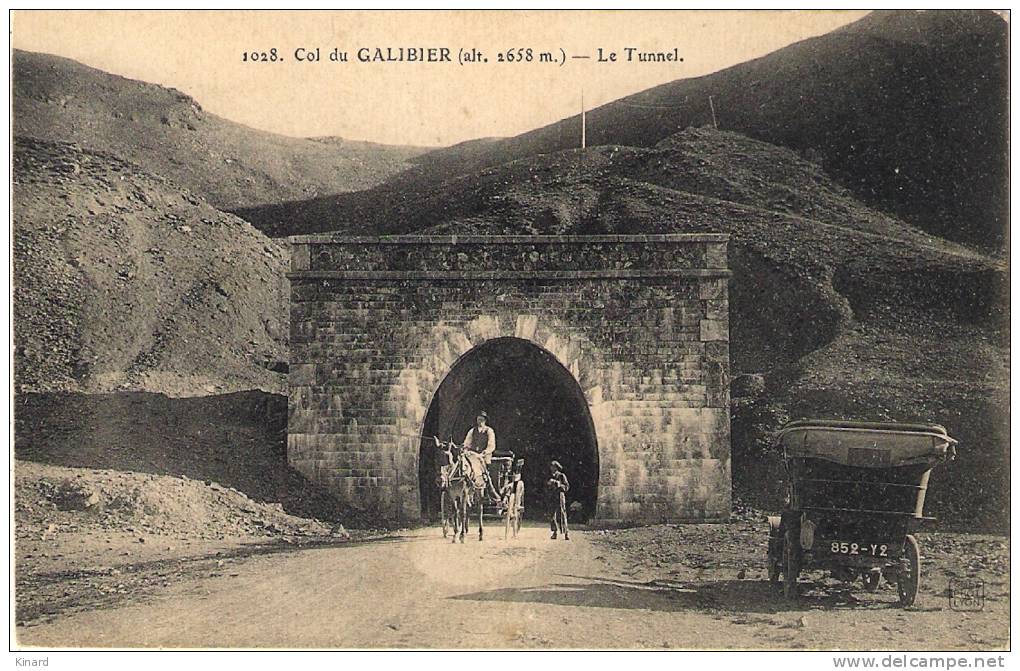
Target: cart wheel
[(791, 565), (871, 580), (910, 580)]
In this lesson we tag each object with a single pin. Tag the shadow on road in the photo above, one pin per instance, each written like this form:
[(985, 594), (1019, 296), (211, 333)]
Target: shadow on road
[(741, 596)]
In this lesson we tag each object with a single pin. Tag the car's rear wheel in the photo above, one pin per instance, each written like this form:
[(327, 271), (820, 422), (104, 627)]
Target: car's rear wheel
[(909, 581)]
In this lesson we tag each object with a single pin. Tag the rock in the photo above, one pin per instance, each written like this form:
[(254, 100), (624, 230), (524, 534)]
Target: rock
[(749, 385), (80, 500)]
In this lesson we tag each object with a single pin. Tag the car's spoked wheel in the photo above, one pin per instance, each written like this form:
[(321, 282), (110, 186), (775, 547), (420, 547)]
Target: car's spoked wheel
[(910, 576)]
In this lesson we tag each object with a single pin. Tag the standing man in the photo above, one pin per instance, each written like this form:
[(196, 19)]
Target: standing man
[(481, 438), (557, 487)]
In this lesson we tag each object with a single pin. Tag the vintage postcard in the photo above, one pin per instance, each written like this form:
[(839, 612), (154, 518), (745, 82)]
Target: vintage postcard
[(512, 330)]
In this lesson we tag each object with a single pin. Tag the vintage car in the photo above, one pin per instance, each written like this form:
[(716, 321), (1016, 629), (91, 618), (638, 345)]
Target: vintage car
[(855, 497)]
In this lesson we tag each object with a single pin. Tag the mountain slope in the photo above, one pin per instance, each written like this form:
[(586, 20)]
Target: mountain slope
[(807, 256), (784, 214), (907, 109), (122, 280), (167, 133)]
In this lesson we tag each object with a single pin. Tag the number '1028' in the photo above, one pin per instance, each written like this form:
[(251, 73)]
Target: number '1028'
[(270, 56)]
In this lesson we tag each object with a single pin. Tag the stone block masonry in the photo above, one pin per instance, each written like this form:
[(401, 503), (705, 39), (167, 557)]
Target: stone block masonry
[(640, 322)]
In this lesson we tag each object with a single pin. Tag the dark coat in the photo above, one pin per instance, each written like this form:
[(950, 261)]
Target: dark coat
[(556, 485)]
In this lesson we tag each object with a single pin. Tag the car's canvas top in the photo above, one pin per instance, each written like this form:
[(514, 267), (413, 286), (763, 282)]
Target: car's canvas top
[(867, 444)]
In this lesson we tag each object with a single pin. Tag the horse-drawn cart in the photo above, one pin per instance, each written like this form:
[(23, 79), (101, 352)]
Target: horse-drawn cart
[(855, 496), (466, 481), (500, 473)]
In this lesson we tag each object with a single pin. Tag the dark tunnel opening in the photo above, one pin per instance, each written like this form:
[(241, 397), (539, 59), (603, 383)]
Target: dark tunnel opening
[(537, 410)]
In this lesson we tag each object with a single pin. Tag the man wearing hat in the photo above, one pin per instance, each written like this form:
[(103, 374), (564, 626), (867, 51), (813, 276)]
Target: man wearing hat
[(481, 438), (557, 487)]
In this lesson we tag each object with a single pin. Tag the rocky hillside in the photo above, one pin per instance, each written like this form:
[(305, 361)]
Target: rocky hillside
[(167, 133), (124, 280), (88, 499), (236, 440), (909, 110)]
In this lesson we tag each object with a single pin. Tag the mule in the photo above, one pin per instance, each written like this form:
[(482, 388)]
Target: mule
[(443, 482), (465, 489)]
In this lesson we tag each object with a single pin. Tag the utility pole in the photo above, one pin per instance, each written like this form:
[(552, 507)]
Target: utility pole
[(580, 157), (584, 129), (715, 125)]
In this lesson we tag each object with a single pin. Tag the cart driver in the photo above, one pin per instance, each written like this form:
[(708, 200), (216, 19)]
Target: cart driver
[(481, 438)]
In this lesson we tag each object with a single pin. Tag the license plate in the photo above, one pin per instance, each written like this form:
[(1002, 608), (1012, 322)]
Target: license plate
[(862, 549)]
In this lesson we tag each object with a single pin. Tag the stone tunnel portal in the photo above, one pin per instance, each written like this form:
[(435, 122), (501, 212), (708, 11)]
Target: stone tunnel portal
[(536, 408), (609, 352)]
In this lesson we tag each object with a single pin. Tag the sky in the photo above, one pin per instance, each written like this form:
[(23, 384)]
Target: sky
[(412, 103)]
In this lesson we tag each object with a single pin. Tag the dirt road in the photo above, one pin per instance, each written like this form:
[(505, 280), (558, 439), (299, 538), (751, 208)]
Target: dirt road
[(416, 590)]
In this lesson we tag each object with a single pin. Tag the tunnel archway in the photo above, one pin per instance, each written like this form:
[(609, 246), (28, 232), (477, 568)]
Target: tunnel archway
[(536, 408)]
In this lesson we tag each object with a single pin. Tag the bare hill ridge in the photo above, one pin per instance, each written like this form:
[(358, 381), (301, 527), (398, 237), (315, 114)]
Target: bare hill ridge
[(907, 109), (123, 280), (167, 133), (550, 192)]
